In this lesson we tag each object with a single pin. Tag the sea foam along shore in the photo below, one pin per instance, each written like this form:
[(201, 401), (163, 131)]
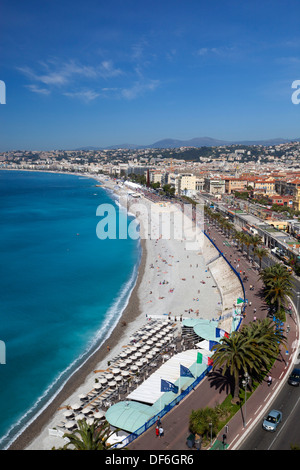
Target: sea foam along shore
[(171, 282)]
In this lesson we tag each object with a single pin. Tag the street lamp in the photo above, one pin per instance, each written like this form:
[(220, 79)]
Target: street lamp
[(245, 383), (298, 296)]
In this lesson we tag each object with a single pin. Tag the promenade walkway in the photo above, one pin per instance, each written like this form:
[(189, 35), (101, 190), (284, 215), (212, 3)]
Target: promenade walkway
[(212, 391)]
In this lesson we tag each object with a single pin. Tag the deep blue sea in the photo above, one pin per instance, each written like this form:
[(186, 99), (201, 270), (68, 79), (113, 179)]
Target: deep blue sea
[(61, 288)]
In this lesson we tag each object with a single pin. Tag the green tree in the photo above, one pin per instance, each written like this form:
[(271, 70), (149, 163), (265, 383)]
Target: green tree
[(203, 421), (277, 287), (169, 190), (89, 437), (260, 253), (248, 242), (262, 337), (234, 355)]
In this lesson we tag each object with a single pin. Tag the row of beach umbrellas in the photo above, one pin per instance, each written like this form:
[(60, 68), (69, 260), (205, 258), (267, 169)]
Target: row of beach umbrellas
[(132, 358), (73, 419), (149, 331)]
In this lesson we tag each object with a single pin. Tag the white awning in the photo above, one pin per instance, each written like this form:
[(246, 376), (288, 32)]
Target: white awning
[(149, 390)]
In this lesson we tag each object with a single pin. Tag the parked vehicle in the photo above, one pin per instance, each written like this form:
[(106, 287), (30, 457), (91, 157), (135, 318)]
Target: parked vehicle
[(273, 419), (294, 378)]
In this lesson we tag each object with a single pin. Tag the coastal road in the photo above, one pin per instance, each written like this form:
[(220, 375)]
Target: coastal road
[(288, 432)]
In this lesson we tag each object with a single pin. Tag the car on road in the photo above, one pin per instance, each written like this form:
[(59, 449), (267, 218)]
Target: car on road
[(294, 378), (273, 419)]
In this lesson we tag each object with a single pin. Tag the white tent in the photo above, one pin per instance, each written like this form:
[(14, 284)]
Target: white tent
[(150, 390)]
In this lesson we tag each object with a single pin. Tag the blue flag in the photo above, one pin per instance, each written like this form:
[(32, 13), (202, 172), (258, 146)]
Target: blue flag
[(212, 344), (166, 386), (185, 372)]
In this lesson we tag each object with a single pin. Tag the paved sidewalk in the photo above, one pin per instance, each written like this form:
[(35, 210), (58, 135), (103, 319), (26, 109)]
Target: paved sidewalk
[(211, 392)]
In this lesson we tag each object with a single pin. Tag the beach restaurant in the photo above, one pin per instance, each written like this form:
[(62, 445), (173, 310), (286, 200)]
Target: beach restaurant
[(137, 413)]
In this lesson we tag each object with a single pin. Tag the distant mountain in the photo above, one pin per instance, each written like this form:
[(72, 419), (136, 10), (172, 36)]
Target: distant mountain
[(196, 142)]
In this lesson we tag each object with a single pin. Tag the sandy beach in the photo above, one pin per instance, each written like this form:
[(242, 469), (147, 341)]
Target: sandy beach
[(173, 282)]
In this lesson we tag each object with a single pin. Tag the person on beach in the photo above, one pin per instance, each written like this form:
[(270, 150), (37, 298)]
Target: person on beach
[(157, 431), (161, 432)]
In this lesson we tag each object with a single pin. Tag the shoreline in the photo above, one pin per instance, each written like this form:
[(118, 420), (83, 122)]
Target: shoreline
[(131, 312)]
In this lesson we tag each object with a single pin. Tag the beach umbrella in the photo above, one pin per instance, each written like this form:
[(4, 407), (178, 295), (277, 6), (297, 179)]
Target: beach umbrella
[(70, 424), (68, 414), (102, 380), (76, 406), (159, 344), (118, 378), (149, 342), (133, 349), (149, 355), (147, 347), (90, 421), (139, 363), (138, 354), (143, 349), (99, 414), (79, 417), (112, 383), (134, 368), (124, 373), (123, 354), (109, 376), (82, 397), (128, 361), (116, 371), (122, 365), (159, 335), (87, 410), (98, 386)]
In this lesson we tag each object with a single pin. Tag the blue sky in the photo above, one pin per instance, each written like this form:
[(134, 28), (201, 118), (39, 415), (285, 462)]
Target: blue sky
[(101, 73)]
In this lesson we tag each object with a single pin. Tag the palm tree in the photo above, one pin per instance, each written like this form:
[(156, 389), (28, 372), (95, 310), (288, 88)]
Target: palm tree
[(248, 243), (244, 238), (263, 336), (277, 286), (256, 240), (89, 437), (240, 237), (235, 355), (260, 253)]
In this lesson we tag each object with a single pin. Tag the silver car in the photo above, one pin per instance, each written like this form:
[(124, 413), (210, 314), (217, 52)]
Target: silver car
[(273, 419)]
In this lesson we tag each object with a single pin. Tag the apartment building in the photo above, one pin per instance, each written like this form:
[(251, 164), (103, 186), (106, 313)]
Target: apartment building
[(234, 184), (214, 185)]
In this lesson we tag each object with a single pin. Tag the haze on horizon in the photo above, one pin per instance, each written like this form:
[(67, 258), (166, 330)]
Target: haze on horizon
[(101, 74)]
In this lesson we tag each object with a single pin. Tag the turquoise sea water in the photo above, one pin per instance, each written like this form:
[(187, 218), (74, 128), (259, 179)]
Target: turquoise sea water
[(61, 288)]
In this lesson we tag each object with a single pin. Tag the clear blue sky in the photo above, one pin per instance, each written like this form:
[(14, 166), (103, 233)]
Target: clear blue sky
[(100, 73)]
